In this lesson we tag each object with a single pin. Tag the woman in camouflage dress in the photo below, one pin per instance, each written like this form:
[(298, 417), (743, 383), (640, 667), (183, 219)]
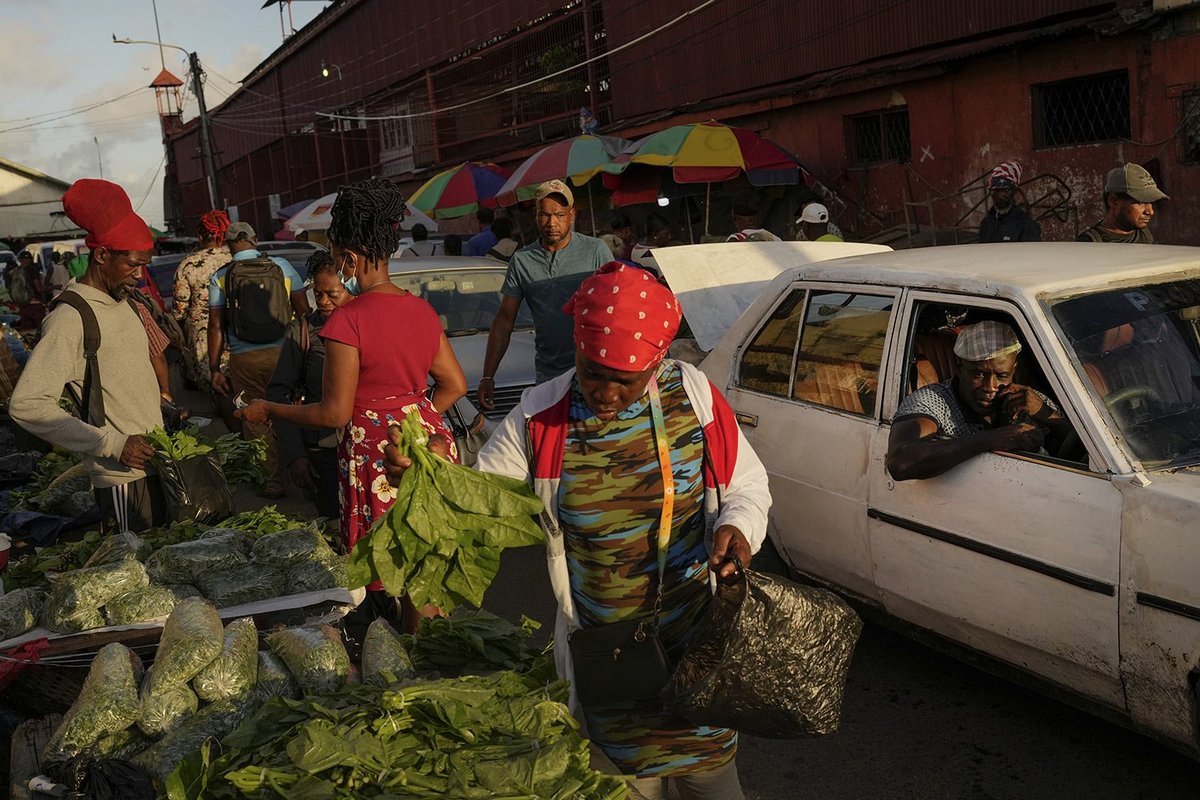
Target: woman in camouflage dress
[(191, 295)]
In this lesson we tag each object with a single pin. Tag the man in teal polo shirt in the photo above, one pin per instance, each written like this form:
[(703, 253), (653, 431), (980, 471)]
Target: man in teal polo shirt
[(544, 274), (251, 364)]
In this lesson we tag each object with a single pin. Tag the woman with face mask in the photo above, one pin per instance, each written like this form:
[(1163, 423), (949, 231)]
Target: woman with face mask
[(381, 351)]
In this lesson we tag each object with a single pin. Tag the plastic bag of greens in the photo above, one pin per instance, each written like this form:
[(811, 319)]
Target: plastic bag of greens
[(139, 605), (211, 722), (191, 639), (183, 591), (19, 611), (76, 596), (123, 745), (384, 659), (289, 548), (274, 680), (187, 561), (315, 656), (313, 576), (119, 547), (163, 708), (233, 673), (194, 488), (107, 703), (243, 539), (244, 583)]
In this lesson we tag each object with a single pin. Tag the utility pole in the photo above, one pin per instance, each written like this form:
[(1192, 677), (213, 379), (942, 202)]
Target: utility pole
[(99, 160), (206, 148)]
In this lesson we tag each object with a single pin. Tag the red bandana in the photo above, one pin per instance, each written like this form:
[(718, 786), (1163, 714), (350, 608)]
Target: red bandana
[(104, 211), (624, 318)]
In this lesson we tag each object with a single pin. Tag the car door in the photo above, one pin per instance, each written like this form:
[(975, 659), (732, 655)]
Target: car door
[(806, 393), (1013, 555)]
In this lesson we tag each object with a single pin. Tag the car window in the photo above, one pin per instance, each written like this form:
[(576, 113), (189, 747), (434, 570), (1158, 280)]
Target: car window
[(841, 350), (767, 361), (466, 300)]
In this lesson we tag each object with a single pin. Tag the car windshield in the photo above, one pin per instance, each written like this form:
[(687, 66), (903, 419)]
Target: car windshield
[(1140, 349), (465, 299)]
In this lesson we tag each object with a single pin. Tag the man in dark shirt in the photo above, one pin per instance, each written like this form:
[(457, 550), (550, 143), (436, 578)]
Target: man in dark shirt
[(1129, 197), (1005, 221)]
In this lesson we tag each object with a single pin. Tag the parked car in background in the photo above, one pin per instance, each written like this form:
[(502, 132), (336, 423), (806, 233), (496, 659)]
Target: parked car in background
[(1078, 567), (162, 272)]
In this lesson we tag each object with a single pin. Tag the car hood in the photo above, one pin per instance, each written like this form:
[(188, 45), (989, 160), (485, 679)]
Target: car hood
[(715, 283), (516, 369)]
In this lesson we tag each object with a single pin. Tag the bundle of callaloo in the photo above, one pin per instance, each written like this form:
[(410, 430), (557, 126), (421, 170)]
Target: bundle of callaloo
[(440, 542), (384, 657), (244, 583), (191, 639), (504, 735), (139, 605), (186, 562), (243, 461), (472, 641), (315, 656), (193, 484), (234, 671), (76, 597), (19, 611), (107, 703)]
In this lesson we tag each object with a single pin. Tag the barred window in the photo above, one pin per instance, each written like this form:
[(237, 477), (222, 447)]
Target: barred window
[(1191, 125), (1081, 110), (880, 136)]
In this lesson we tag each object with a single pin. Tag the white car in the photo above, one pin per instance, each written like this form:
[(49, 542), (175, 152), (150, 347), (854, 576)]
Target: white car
[(1079, 567)]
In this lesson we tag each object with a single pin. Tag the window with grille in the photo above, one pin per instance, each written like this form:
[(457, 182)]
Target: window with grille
[(880, 137), (1081, 110), (1191, 125)]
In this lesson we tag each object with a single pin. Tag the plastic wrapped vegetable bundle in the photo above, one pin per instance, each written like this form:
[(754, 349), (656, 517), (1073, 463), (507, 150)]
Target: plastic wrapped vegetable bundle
[(244, 583), (187, 561), (191, 639), (164, 707), (274, 680), (118, 547), (76, 596), (243, 539), (183, 591), (384, 658), (19, 611), (441, 540), (124, 745), (211, 722), (289, 548), (107, 703), (139, 605), (313, 576), (315, 656), (234, 672)]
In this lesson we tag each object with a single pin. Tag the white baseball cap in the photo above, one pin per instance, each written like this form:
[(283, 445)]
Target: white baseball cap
[(814, 212)]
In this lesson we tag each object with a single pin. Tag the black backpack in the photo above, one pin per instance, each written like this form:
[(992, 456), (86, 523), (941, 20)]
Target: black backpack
[(258, 305)]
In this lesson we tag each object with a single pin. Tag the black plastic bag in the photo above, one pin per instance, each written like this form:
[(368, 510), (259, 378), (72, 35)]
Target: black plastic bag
[(770, 660), (195, 489), (103, 779)]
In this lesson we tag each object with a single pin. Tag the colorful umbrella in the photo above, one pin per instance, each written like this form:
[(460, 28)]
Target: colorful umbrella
[(460, 191), (708, 152), (579, 159)]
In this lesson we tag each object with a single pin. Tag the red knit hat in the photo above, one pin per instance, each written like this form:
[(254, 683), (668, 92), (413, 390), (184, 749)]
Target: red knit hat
[(624, 318), (104, 211)]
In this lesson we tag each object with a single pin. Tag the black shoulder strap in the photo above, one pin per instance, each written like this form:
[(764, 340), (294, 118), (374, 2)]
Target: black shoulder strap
[(92, 404)]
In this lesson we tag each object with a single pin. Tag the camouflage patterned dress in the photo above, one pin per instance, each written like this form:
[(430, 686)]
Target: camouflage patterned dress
[(190, 299), (610, 498)]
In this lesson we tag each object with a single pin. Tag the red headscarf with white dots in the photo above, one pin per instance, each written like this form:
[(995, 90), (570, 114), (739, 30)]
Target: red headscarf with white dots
[(624, 318)]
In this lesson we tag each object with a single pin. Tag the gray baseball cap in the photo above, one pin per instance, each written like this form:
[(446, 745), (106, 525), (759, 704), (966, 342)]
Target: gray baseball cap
[(240, 231), (1135, 182)]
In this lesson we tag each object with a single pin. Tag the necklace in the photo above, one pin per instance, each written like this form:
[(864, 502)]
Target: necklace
[(375, 285)]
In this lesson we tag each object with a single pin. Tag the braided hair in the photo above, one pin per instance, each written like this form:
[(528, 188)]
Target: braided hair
[(213, 225), (366, 218)]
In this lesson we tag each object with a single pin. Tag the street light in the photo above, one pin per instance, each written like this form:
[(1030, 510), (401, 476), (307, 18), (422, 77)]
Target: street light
[(326, 67)]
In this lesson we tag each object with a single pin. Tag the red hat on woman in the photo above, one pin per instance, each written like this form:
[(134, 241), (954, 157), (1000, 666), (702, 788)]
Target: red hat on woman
[(103, 210), (624, 318)]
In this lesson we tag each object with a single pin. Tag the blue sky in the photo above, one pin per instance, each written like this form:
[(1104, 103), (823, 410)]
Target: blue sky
[(58, 56)]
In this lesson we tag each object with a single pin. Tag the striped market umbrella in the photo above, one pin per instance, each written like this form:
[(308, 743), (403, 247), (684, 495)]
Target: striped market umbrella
[(709, 152), (460, 191), (580, 158)]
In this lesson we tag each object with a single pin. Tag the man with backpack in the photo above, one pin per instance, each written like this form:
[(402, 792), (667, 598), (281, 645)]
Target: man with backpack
[(250, 303), (98, 348)]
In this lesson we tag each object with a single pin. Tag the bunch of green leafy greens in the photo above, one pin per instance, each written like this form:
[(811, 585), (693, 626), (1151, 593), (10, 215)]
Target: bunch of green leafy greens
[(472, 641), (32, 567), (58, 475), (179, 445), (504, 735), (265, 520), (242, 461), (440, 542)]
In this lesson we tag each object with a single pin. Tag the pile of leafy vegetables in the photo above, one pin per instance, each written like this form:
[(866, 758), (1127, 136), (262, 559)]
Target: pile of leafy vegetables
[(441, 540), (49, 469), (470, 641), (242, 461), (504, 735)]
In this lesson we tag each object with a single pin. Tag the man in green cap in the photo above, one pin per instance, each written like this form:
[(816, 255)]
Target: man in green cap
[(1129, 197)]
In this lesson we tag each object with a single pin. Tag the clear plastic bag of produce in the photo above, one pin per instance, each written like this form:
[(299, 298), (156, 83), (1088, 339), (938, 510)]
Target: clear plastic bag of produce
[(274, 680), (119, 547), (233, 673), (139, 605), (20, 610), (313, 576), (384, 659), (244, 583), (164, 708), (76, 596), (123, 745), (315, 656), (185, 562), (289, 548), (192, 637), (107, 703), (194, 488), (211, 722), (243, 539)]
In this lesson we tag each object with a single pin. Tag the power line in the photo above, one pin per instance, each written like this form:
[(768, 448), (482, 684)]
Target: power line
[(77, 112), (153, 178)]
